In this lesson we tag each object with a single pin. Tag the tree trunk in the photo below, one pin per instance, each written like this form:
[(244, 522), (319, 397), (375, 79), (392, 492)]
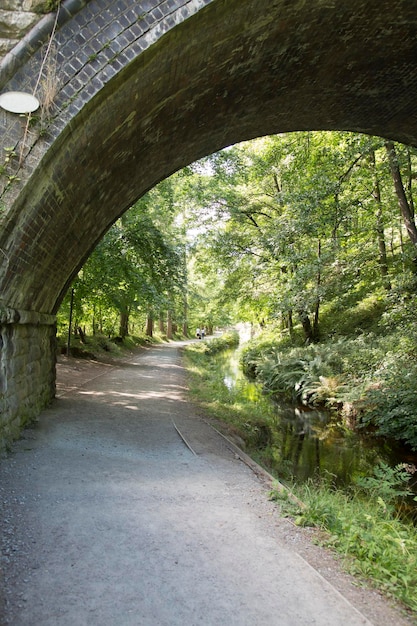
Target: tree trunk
[(410, 181), (161, 323), (169, 325), (317, 305), (406, 210), (94, 321), (70, 323), (290, 323), (80, 332), (124, 324), (149, 325), (306, 324), (379, 226), (185, 322)]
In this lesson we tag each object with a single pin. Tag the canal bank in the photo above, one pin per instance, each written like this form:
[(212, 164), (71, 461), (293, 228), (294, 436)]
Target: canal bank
[(298, 443), (359, 518)]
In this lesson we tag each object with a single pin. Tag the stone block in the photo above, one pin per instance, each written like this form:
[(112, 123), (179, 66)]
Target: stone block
[(27, 372), (6, 45), (12, 5), (34, 353), (14, 24), (39, 6), (34, 6)]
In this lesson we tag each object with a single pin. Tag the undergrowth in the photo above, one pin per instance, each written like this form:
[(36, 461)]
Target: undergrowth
[(98, 345), (364, 526), (369, 375), (216, 344), (245, 418)]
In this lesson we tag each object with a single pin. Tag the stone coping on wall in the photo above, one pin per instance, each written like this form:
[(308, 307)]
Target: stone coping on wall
[(8, 315)]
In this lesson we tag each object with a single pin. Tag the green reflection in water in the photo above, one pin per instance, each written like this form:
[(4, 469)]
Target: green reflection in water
[(302, 442)]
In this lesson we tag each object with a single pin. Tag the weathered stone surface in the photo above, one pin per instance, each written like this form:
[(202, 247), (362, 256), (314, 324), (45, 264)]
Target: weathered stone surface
[(34, 6), (38, 6), (27, 377), (17, 18), (12, 5), (14, 24), (6, 45)]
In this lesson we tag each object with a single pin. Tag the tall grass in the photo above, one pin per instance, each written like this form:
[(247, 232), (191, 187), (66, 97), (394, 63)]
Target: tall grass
[(243, 417), (364, 527)]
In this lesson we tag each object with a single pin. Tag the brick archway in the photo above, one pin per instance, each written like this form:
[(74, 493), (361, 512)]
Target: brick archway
[(143, 89)]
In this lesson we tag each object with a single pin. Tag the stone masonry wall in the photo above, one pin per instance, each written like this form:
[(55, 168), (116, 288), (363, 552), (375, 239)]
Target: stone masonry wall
[(27, 368), (17, 17)]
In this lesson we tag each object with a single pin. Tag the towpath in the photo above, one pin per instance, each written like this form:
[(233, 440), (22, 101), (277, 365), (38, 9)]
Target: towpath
[(110, 519)]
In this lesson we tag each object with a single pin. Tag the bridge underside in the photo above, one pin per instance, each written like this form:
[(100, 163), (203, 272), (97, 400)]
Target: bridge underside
[(204, 75)]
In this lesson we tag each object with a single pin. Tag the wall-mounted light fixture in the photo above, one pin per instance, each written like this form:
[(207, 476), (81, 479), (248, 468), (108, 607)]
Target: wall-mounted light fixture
[(18, 102)]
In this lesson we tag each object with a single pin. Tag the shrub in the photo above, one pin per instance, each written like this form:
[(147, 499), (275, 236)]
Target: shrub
[(392, 406), (374, 374), (310, 375)]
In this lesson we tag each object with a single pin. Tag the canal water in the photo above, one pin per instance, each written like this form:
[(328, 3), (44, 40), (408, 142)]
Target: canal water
[(307, 443)]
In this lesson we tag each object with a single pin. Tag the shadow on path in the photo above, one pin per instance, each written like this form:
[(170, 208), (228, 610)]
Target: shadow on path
[(110, 519)]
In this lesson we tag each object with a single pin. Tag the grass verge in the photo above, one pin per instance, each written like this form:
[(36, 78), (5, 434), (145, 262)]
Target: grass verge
[(362, 523), (364, 528)]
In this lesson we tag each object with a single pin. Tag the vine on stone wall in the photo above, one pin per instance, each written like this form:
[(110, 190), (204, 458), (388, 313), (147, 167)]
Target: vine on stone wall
[(46, 88), (48, 6), (47, 84)]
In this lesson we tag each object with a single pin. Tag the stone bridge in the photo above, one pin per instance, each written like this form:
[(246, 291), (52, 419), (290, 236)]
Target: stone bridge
[(133, 90)]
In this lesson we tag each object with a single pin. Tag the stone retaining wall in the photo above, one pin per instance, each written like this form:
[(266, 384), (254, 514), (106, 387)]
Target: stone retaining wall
[(17, 17), (27, 368)]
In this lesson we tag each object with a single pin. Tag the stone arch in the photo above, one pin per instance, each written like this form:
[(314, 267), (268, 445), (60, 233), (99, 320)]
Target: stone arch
[(147, 87)]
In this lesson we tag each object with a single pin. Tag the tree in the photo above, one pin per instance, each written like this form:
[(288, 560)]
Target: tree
[(269, 230), (406, 208), (134, 267)]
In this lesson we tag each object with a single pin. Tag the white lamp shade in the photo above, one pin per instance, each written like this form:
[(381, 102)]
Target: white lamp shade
[(18, 102)]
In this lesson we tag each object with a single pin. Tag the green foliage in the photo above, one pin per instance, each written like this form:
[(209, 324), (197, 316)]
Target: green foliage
[(240, 416), (99, 346), (375, 372), (214, 345), (363, 526), (386, 485), (47, 6), (310, 375), (392, 405), (292, 225), (137, 267), (365, 312)]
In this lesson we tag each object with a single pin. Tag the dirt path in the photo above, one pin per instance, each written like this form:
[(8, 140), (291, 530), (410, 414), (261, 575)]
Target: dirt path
[(110, 519)]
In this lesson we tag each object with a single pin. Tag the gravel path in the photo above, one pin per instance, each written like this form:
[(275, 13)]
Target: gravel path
[(109, 519)]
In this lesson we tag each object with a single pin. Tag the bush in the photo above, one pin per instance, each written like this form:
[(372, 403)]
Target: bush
[(310, 375), (376, 375), (392, 406)]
